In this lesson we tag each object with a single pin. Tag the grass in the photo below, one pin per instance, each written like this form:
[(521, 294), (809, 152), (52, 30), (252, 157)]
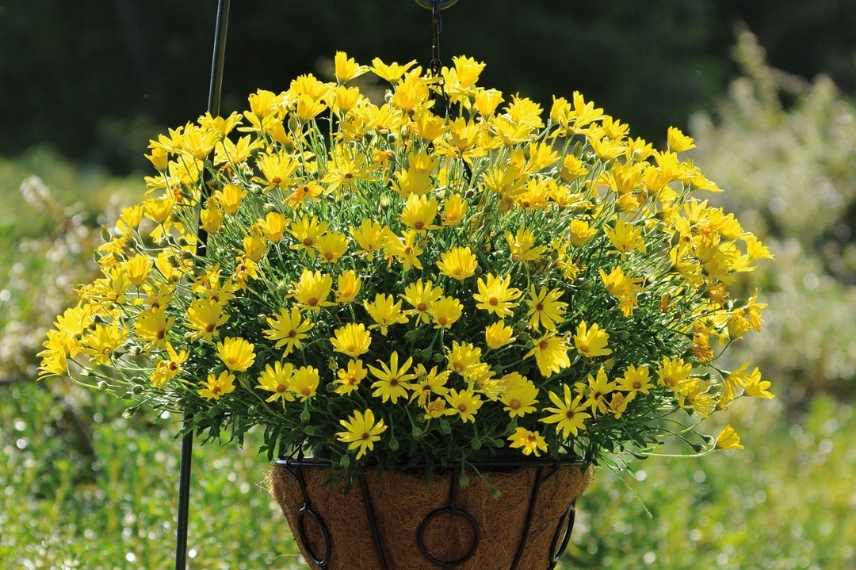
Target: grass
[(115, 507)]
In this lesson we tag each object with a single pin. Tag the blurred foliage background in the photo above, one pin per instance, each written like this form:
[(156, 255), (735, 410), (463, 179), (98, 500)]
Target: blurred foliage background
[(84, 85)]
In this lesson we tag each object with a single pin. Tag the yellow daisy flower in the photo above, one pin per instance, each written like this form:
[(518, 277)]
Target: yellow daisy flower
[(348, 379), (458, 263), (276, 378), (464, 404), (236, 353), (312, 290), (352, 339), (445, 312), (385, 312), (217, 386), (550, 353), (635, 380), (519, 394), (348, 285), (331, 246), (728, 438), (306, 231), (361, 432), (421, 295), (569, 413), (495, 295), (392, 381), (498, 335), (673, 372), (591, 342), (529, 442), (288, 330), (545, 309), (522, 246), (305, 381), (419, 213), (369, 235)]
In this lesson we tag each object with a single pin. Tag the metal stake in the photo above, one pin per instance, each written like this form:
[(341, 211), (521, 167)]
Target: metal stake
[(215, 86)]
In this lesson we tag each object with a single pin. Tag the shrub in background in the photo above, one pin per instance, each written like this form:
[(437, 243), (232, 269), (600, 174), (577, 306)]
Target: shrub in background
[(784, 151)]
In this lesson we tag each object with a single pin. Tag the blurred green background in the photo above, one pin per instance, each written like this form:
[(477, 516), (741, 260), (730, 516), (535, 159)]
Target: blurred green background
[(83, 86)]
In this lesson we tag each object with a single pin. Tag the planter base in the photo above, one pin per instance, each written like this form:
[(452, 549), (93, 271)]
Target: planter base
[(396, 520)]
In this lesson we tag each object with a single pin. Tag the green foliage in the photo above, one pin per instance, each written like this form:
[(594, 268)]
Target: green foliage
[(786, 501), (104, 496)]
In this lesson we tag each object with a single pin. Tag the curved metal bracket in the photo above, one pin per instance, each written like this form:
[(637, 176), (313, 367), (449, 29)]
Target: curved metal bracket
[(563, 529), (441, 4), (306, 509)]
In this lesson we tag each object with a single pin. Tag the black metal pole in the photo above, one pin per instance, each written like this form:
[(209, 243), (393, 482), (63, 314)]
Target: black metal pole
[(221, 28)]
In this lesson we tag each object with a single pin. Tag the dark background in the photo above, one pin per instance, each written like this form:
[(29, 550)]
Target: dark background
[(96, 78)]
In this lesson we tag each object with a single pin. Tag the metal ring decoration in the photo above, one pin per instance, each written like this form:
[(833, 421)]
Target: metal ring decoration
[(302, 511), (320, 561), (441, 4), (453, 511), (563, 529)]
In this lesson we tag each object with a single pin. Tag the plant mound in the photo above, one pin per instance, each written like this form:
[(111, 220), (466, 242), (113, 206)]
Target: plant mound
[(432, 275)]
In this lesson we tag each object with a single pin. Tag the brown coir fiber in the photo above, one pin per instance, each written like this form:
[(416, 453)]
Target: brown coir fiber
[(402, 501)]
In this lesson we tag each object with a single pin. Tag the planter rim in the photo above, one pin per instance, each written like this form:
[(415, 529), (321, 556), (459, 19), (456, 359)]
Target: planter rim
[(489, 464)]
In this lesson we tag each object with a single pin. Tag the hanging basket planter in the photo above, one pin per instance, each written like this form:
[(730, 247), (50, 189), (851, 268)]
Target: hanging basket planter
[(447, 273), (514, 515)]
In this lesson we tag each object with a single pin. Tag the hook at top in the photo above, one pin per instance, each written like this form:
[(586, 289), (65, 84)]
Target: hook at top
[(441, 4)]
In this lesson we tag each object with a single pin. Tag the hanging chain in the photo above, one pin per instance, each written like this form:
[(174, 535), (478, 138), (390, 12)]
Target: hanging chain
[(436, 27), (435, 66)]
